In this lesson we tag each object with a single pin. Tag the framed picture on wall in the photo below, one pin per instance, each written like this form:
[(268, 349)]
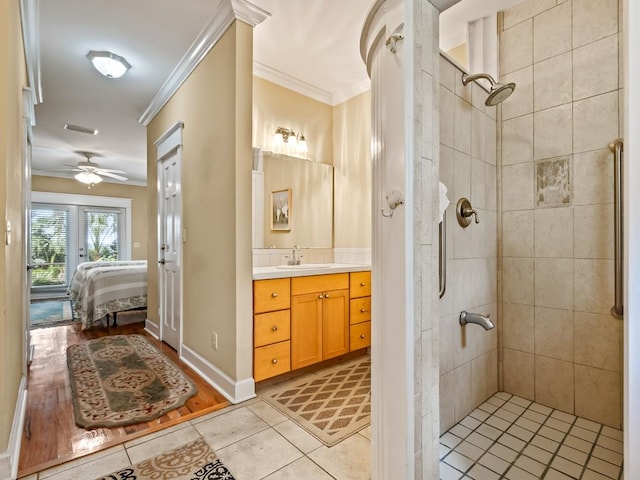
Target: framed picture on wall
[(281, 209)]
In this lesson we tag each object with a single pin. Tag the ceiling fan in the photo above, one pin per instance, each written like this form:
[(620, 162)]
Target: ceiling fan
[(90, 172)]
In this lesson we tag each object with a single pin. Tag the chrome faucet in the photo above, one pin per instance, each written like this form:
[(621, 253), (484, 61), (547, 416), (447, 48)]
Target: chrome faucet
[(295, 256), (483, 320)]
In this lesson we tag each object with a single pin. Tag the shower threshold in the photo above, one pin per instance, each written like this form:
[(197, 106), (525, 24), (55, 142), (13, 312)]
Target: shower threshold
[(509, 437)]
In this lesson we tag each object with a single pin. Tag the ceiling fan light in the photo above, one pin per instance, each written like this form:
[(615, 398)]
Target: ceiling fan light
[(109, 64), (88, 178)]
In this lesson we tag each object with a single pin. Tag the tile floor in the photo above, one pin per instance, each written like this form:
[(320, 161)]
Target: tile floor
[(508, 437), (252, 439)]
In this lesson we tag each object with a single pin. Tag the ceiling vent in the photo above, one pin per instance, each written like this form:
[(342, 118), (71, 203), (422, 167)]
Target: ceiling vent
[(76, 128)]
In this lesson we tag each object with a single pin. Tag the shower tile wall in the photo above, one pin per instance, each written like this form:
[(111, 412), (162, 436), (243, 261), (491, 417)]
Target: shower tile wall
[(468, 355), (561, 347)]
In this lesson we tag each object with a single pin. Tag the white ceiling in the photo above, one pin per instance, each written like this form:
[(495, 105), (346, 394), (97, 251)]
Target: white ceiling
[(315, 44)]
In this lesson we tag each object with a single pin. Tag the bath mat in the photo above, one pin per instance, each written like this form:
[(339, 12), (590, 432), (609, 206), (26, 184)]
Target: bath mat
[(46, 314), (331, 407), (194, 461), (122, 380)]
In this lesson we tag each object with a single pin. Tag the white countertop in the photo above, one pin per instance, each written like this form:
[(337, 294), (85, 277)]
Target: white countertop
[(285, 271)]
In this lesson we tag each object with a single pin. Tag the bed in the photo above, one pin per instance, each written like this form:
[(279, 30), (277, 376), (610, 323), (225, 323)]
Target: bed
[(98, 289)]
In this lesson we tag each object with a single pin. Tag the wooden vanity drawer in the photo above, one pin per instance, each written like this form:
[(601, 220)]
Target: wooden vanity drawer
[(359, 284), (271, 360), (360, 336), (319, 283), (271, 327), (271, 295), (359, 310)]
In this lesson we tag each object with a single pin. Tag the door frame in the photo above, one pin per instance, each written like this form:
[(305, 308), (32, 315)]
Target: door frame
[(28, 100), (168, 143)]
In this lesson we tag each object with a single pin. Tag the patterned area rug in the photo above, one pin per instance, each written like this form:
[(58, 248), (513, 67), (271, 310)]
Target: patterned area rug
[(123, 379), (46, 314), (331, 407), (194, 461)]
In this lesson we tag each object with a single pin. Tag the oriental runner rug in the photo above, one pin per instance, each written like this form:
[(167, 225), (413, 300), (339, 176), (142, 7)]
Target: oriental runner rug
[(123, 379), (194, 461)]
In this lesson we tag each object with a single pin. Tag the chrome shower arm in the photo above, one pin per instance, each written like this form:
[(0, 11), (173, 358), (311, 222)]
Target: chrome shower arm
[(472, 77)]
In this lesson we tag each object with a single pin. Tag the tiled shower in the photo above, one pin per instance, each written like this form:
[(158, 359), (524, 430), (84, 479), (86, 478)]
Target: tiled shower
[(541, 260)]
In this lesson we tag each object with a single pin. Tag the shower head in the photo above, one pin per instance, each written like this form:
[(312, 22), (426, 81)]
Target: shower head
[(498, 91)]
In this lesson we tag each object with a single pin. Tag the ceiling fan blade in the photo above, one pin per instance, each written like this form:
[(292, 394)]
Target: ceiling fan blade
[(109, 170), (62, 170), (112, 175)]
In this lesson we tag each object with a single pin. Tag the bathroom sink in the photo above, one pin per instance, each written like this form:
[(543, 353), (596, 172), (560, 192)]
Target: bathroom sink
[(304, 266)]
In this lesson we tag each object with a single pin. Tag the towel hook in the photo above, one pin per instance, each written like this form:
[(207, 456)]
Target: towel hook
[(394, 199)]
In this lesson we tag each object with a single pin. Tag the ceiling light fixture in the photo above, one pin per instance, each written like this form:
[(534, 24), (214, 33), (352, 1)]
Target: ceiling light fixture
[(77, 128), (288, 142), (109, 64), (88, 178)]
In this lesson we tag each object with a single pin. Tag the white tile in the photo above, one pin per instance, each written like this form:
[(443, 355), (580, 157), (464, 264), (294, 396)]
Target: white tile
[(479, 441), (506, 415), (478, 472), (552, 132), (469, 450), (231, 427), (558, 425), (553, 474), (512, 442), (489, 431), (447, 115), (458, 461), (552, 82), (449, 473), (584, 434), (608, 455), (494, 463), (349, 460), (450, 440), (605, 468), (267, 413), (112, 453), (259, 455), (552, 32), (517, 140), (593, 19), (538, 454), (587, 424), (595, 122), (503, 452), (591, 475), (528, 424), (525, 10), (554, 232), (516, 47), (164, 443), (576, 456), (462, 125), (595, 68), (544, 443), (534, 416), (91, 468), (521, 100), (299, 437), (301, 468), (543, 409), (521, 433), (551, 434), (578, 443), (516, 473), (612, 433), (530, 465)]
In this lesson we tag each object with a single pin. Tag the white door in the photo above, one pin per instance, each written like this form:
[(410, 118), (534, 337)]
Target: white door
[(170, 240)]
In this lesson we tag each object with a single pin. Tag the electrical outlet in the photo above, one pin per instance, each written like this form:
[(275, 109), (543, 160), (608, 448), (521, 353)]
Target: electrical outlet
[(214, 340)]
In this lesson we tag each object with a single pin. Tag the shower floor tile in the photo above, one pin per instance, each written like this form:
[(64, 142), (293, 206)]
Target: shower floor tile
[(512, 438)]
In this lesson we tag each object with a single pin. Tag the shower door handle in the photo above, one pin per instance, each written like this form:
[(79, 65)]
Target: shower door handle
[(617, 148)]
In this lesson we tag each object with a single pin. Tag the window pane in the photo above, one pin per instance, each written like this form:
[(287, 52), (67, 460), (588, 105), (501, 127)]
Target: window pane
[(102, 236), (49, 246)]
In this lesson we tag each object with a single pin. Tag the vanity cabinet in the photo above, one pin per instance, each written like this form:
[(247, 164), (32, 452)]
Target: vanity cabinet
[(359, 310), (271, 327), (319, 318), (303, 320)]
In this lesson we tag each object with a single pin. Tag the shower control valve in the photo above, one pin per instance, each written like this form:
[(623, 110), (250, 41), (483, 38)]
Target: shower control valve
[(464, 212)]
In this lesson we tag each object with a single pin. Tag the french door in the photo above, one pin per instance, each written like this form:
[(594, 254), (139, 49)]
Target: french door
[(62, 236)]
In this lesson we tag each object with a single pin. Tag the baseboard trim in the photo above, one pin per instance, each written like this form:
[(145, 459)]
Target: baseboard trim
[(9, 458), (152, 329), (233, 391)]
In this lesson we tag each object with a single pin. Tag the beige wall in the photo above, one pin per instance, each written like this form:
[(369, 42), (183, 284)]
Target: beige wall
[(12, 80), (460, 55), (352, 172), (469, 354), (138, 196), (215, 105), (562, 348), (275, 106)]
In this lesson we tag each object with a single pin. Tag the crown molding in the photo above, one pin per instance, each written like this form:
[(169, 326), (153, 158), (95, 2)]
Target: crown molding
[(30, 20), (225, 13), (287, 81)]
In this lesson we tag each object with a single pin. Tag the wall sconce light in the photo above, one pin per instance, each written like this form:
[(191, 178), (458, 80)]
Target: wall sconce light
[(288, 142)]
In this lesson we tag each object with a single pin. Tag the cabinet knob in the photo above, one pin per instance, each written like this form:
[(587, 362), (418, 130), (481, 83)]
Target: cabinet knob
[(326, 296), (320, 296), (274, 294), (274, 361), (362, 284), (274, 328), (362, 335), (362, 310)]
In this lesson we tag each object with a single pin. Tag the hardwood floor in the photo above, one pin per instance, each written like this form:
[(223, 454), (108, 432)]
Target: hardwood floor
[(51, 436)]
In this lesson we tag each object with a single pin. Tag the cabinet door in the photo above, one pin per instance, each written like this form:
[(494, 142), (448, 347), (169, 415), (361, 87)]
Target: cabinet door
[(335, 323), (306, 329)]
